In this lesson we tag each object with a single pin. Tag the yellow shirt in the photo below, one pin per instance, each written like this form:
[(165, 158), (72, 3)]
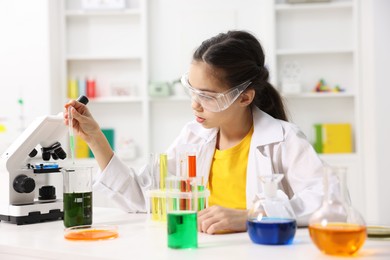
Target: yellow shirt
[(227, 181)]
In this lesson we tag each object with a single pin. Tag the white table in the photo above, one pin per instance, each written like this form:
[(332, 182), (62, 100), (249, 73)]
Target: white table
[(139, 238)]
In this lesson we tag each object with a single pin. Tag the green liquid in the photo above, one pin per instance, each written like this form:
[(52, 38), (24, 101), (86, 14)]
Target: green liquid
[(72, 147), (182, 229), (201, 201), (77, 209)]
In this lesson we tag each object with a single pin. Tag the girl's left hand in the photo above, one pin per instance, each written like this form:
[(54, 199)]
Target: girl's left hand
[(217, 219)]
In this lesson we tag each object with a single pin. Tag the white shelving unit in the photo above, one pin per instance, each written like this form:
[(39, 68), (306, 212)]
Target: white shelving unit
[(111, 47), (322, 39), (170, 38)]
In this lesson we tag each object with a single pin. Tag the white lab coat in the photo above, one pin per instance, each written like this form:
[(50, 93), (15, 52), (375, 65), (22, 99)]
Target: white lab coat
[(276, 147)]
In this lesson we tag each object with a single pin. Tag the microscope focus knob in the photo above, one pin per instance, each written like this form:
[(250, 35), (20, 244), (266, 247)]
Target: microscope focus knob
[(24, 184), (47, 193)]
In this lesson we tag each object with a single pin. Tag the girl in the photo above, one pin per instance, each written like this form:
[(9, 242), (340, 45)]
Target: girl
[(241, 130)]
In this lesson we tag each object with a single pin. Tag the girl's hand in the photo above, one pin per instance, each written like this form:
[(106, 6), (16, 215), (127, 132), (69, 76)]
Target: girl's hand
[(88, 129), (217, 219), (84, 124)]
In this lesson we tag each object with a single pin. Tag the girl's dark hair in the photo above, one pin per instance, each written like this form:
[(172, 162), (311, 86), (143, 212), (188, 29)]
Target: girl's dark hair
[(239, 55)]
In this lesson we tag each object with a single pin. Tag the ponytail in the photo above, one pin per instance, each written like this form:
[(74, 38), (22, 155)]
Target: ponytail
[(268, 99), (240, 56)]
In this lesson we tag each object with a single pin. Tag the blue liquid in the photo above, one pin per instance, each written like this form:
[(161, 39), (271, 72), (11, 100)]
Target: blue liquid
[(272, 231)]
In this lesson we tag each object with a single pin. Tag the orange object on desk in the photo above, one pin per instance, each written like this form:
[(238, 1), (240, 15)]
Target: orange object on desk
[(90, 233)]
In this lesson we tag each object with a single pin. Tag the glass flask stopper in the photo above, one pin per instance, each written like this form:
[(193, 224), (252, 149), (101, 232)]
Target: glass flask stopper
[(271, 220), (336, 228)]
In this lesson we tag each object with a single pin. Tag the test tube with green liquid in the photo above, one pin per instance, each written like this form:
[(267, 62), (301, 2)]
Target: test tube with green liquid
[(84, 100), (199, 186), (71, 133), (201, 201)]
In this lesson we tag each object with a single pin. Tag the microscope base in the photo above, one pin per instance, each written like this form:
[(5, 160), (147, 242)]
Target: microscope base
[(34, 217), (34, 213)]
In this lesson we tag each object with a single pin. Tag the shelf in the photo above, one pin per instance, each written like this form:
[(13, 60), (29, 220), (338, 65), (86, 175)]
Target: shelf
[(87, 13), (320, 95), (321, 51), (117, 99), (102, 57), (314, 6), (308, 28)]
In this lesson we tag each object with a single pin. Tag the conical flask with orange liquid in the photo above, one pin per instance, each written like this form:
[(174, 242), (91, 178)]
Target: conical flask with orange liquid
[(336, 228)]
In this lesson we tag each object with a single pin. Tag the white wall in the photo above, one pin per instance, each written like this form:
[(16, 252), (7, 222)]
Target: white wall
[(375, 39), (24, 64), (176, 29), (382, 94)]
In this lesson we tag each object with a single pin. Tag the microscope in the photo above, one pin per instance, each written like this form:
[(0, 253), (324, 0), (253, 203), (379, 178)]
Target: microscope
[(28, 189)]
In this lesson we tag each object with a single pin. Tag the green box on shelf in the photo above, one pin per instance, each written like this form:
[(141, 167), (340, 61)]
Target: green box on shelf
[(110, 135), (160, 89), (318, 146)]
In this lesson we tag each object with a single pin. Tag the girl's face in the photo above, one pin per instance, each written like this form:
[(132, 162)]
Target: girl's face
[(202, 77)]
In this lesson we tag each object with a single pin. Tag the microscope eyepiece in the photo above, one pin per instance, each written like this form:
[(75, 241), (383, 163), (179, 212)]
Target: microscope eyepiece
[(46, 156), (33, 153), (55, 151), (59, 153), (54, 156)]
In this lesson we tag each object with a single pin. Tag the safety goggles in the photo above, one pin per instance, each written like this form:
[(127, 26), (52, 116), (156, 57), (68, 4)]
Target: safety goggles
[(214, 102)]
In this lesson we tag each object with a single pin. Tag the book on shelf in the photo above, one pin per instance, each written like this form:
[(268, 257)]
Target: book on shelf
[(82, 149), (333, 138)]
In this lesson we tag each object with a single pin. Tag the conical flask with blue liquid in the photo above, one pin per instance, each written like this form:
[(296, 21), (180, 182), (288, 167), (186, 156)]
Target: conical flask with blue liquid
[(271, 220)]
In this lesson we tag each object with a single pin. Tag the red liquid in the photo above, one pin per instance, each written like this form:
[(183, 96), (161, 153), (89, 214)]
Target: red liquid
[(91, 88)]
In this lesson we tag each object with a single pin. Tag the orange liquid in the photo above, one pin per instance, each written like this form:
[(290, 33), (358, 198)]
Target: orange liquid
[(338, 238), (94, 234)]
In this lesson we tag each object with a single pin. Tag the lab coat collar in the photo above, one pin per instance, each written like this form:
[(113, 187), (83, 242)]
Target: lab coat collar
[(270, 128), (205, 133), (267, 130)]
